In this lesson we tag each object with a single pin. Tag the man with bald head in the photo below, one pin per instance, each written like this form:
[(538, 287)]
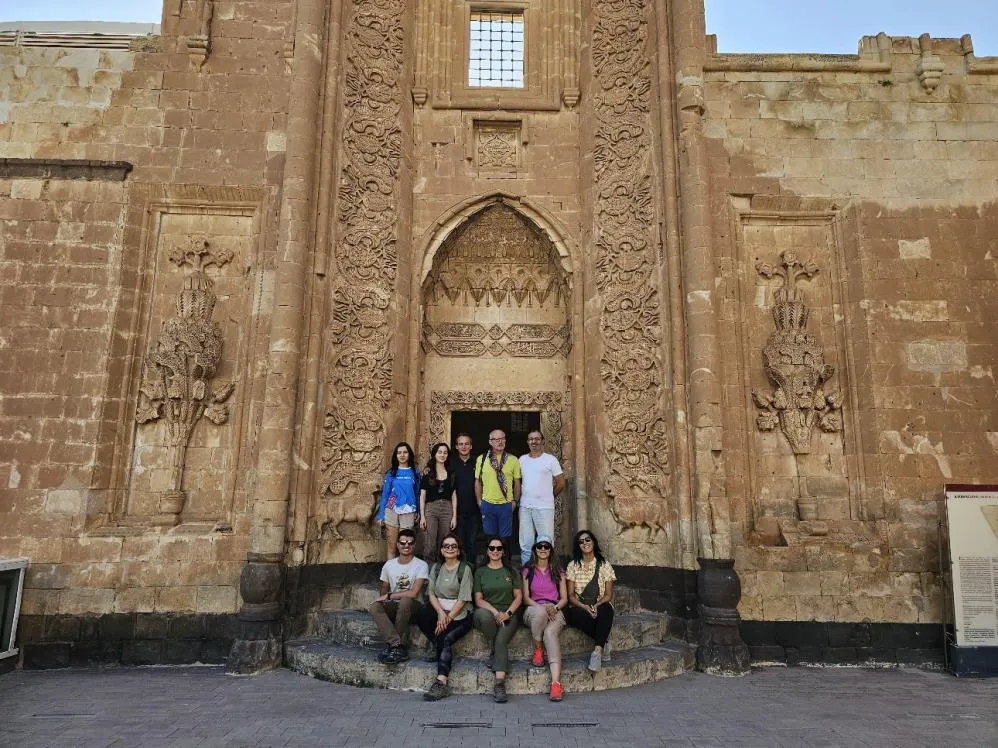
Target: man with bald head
[(497, 488)]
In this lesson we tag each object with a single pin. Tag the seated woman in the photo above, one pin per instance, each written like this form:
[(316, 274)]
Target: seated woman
[(590, 593), (497, 598), (446, 619), (545, 595)]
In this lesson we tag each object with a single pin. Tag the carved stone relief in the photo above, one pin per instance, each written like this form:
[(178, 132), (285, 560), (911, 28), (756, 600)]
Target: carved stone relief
[(638, 446), (177, 383), (358, 355), (473, 339), (200, 13), (497, 260), (497, 146)]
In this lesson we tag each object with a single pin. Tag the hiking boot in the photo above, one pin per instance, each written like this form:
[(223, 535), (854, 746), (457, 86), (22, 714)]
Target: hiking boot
[(396, 655), (606, 652), (595, 661), (538, 658), (499, 692), (437, 691), (557, 692), (385, 655)]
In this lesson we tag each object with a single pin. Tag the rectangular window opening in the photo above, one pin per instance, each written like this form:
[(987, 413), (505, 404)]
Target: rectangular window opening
[(495, 49)]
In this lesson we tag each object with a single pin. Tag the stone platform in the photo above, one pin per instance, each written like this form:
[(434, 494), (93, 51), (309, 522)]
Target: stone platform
[(343, 646)]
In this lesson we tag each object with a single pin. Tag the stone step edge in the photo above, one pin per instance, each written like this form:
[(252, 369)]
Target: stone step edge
[(420, 643), (624, 670)]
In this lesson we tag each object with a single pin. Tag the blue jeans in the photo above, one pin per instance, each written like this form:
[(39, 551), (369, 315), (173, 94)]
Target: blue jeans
[(497, 519), (534, 522)]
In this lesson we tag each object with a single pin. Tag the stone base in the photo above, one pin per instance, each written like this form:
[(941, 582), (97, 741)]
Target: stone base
[(257, 649), (721, 650)]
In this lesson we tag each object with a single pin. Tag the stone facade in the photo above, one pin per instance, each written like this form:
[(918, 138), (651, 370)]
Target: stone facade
[(750, 296)]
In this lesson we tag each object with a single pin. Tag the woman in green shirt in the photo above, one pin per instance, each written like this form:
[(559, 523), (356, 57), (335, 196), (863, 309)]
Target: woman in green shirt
[(497, 598), (446, 619)]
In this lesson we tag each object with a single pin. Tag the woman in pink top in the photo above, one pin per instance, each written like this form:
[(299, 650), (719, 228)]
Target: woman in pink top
[(545, 595)]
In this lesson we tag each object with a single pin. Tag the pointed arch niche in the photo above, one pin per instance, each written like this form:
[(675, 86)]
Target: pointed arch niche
[(495, 326)]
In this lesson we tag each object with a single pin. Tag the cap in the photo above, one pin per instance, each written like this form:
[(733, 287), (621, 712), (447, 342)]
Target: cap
[(542, 539)]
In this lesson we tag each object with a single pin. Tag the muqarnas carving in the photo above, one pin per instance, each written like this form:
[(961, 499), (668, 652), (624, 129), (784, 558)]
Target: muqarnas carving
[(177, 383), (795, 364), (638, 447)]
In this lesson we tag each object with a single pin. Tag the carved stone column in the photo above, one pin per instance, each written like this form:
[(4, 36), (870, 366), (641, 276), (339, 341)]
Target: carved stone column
[(717, 582), (259, 644)]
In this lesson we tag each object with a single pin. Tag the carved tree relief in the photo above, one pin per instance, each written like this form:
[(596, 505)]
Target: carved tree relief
[(359, 359), (638, 445), (795, 364), (176, 385)]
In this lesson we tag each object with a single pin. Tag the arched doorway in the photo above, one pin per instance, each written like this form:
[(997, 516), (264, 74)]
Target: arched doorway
[(496, 345)]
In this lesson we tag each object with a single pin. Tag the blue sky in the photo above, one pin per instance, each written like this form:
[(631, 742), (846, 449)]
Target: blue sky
[(740, 25)]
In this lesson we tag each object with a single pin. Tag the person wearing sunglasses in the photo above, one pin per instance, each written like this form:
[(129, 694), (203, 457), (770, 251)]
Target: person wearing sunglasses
[(590, 579), (402, 581), (545, 594), (497, 598), (446, 618)]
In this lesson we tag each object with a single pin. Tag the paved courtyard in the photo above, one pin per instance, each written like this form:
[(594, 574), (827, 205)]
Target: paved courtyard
[(202, 706)]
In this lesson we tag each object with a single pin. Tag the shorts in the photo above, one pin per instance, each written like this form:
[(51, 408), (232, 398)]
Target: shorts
[(405, 521)]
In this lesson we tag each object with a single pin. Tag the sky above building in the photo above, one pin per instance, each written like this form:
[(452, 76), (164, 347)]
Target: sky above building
[(740, 25)]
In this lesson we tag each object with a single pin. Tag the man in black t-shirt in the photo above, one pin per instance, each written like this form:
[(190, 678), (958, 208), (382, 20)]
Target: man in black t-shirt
[(468, 513)]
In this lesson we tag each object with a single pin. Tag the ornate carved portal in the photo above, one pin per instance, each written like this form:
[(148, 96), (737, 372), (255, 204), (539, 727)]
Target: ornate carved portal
[(638, 446)]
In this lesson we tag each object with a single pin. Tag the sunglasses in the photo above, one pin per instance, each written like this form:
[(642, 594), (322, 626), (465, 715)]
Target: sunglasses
[(405, 542), (543, 546), (495, 548), (449, 546), (585, 540)]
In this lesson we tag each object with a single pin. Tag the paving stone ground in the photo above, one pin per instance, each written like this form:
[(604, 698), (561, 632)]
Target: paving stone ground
[(202, 706)]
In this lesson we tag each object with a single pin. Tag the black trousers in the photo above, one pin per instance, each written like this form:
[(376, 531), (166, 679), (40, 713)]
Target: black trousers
[(598, 628)]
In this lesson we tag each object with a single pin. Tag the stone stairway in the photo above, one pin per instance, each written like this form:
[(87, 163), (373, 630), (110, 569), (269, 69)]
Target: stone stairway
[(344, 644)]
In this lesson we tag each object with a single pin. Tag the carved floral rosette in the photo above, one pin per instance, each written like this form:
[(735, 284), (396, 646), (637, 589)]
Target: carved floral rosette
[(358, 347), (638, 447), (177, 379), (795, 364)]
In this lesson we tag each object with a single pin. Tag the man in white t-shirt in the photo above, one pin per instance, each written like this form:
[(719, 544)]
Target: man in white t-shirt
[(543, 479), (402, 580)]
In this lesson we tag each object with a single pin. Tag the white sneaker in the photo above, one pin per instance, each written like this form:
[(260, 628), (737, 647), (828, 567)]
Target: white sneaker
[(595, 661), (606, 652)]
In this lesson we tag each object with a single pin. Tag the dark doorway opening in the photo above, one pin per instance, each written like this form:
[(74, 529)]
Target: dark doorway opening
[(478, 423)]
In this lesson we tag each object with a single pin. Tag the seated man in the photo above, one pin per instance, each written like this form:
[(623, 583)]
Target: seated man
[(402, 580)]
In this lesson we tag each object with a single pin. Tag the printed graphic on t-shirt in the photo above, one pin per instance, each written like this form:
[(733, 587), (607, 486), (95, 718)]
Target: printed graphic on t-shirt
[(403, 582)]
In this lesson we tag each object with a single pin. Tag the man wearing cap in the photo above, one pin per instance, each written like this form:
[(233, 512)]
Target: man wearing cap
[(543, 480)]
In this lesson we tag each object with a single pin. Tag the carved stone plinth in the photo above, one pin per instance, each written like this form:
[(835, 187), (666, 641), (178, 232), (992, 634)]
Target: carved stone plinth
[(171, 504), (259, 645), (720, 650)]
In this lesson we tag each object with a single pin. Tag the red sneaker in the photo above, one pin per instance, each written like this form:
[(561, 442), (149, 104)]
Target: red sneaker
[(538, 659), (557, 692)]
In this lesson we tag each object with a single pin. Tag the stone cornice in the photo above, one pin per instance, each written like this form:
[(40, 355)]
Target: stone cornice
[(64, 168)]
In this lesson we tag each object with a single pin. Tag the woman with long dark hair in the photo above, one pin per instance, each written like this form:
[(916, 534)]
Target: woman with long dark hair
[(590, 580), (545, 594), (497, 598), (437, 501), (398, 506), (446, 619)]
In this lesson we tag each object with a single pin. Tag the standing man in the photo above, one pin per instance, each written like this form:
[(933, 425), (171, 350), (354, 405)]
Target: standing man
[(402, 580), (468, 512), (543, 479), (497, 488)]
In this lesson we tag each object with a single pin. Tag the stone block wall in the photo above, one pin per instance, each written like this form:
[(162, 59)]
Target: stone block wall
[(885, 178), (87, 283)]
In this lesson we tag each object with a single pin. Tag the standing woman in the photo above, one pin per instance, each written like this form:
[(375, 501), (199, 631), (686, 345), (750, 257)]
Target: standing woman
[(590, 593), (437, 501), (398, 506), (446, 618), (545, 594), (497, 598)]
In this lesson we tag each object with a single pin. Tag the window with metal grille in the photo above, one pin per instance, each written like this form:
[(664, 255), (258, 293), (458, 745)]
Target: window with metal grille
[(495, 49)]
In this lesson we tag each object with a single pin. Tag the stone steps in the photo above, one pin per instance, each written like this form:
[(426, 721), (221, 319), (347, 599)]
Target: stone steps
[(358, 666), (356, 629)]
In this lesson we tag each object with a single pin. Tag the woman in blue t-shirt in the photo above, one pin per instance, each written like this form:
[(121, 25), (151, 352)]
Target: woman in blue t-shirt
[(398, 506)]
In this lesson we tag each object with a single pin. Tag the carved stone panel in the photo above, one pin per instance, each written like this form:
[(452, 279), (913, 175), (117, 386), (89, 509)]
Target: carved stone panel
[(638, 445), (358, 348)]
